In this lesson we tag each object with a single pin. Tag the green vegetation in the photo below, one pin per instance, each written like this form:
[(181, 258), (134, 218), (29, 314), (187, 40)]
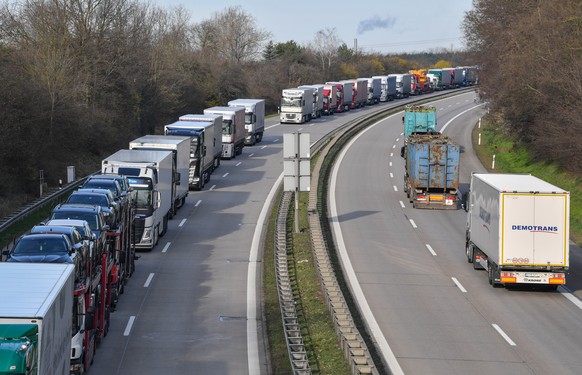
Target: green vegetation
[(317, 329), (513, 157)]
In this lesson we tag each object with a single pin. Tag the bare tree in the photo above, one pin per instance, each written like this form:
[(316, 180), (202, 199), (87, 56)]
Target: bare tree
[(325, 47)]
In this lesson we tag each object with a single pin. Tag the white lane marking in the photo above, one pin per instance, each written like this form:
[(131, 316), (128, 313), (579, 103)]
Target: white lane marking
[(391, 175), (395, 188), (440, 109), (453, 119), (252, 316), (394, 146), (412, 223), (430, 249), (571, 297), (212, 187), (224, 175), (459, 285), (503, 334), (391, 154), (251, 155), (397, 139), (390, 163), (129, 325), (264, 147), (198, 203), (166, 247), (375, 331), (402, 204), (148, 280), (401, 133), (182, 222), (239, 163), (299, 129), (274, 141)]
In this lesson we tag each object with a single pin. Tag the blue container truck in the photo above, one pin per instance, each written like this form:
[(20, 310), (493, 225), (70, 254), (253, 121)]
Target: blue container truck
[(419, 119), (431, 178)]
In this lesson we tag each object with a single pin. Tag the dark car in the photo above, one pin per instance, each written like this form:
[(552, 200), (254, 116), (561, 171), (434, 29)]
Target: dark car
[(47, 248), (100, 197), (92, 214), (100, 183), (121, 179), (96, 248)]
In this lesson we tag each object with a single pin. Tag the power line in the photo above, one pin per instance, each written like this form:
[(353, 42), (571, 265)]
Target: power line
[(396, 44)]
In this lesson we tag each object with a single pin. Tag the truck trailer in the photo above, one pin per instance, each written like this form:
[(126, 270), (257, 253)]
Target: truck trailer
[(431, 177), (387, 87), (518, 229), (403, 84), (150, 174), (254, 118), (36, 318), (317, 99), (205, 132), (180, 148), (341, 107), (419, 119), (374, 90), (296, 105), (233, 129), (330, 99)]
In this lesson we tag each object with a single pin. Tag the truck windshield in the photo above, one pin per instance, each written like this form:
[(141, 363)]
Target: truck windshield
[(227, 127), (291, 102), (194, 143), (248, 118), (143, 197)]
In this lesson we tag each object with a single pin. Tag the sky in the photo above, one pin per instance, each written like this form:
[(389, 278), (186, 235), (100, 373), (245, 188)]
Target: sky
[(384, 26)]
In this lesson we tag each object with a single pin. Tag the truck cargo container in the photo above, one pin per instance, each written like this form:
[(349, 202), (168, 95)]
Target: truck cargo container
[(360, 93), (374, 90), (441, 78), (431, 177), (205, 132), (419, 119), (341, 96), (151, 175), (233, 129), (403, 85), (518, 229), (296, 105), (254, 118), (388, 88), (180, 148), (330, 99), (317, 99), (457, 77), (36, 318)]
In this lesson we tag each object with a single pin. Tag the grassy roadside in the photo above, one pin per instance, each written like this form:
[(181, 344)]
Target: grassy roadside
[(318, 332), (511, 157)]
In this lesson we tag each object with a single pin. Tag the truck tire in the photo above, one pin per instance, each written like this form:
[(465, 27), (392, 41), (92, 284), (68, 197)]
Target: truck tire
[(164, 226), (468, 252)]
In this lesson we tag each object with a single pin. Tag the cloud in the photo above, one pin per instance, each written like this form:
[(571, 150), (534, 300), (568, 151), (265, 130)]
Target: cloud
[(375, 23)]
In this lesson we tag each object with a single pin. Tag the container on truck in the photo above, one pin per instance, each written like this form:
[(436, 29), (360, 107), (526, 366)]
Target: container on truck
[(518, 229), (36, 316), (403, 85), (150, 174), (350, 93), (457, 77), (254, 118), (296, 105), (341, 106), (388, 87), (360, 93), (441, 78), (317, 99), (233, 129), (180, 148), (205, 132), (330, 99), (419, 119), (374, 90), (431, 177)]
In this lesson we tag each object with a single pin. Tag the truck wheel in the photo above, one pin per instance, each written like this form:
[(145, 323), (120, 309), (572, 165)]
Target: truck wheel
[(468, 250), (490, 273), (165, 226)]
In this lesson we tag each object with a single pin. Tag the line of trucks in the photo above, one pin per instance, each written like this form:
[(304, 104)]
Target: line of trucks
[(517, 224), (304, 103), (75, 264)]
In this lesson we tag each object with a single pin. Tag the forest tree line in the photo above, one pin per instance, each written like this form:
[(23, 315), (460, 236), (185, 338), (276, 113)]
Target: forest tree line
[(530, 53), (81, 78)]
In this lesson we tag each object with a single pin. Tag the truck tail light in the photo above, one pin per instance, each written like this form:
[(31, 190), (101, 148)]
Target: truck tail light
[(507, 277), (420, 197), (557, 279)]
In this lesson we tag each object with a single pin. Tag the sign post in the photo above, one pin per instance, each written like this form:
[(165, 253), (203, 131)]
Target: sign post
[(296, 167)]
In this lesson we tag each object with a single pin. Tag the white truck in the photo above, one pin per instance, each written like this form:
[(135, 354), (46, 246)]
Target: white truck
[(296, 106), (180, 148), (233, 129), (374, 90), (387, 87), (254, 118), (205, 132), (36, 317), (518, 229), (403, 84), (317, 99), (149, 173)]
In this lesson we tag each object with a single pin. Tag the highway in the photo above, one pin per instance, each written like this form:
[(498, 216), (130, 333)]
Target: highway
[(434, 314), (193, 304)]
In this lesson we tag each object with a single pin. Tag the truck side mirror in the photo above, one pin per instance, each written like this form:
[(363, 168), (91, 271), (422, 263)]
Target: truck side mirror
[(465, 201), (204, 151), (158, 199), (177, 178)]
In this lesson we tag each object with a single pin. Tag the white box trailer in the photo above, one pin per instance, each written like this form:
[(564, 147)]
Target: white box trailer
[(348, 94), (233, 129), (317, 99), (374, 90), (296, 105), (254, 118), (518, 229), (388, 87), (149, 173), (403, 84), (36, 317), (180, 148)]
